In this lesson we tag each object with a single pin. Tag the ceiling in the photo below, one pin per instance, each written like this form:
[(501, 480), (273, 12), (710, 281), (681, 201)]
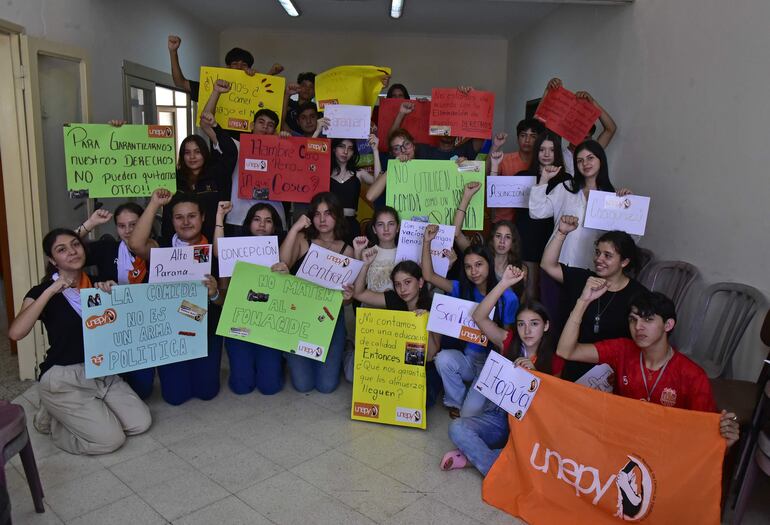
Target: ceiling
[(501, 18)]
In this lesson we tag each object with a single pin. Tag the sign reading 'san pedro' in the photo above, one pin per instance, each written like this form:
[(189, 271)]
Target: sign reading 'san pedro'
[(139, 326), (126, 161), (279, 311)]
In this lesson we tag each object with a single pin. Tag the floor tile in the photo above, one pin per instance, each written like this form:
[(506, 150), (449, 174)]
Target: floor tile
[(176, 427), (228, 511), (151, 469), (182, 495), (80, 496), (22, 507), (134, 447), (286, 446), (62, 467), (375, 449), (207, 448), (240, 471), (417, 470), (127, 511), (463, 493), (429, 511), (332, 430)]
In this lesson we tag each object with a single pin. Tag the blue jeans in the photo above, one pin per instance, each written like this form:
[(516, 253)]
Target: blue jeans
[(141, 381), (254, 366), (481, 438), (180, 382), (307, 374), (456, 369)]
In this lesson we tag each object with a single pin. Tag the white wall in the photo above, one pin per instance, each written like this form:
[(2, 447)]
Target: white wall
[(419, 62), (686, 81)]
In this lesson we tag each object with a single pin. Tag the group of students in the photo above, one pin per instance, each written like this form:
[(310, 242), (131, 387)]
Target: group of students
[(534, 267)]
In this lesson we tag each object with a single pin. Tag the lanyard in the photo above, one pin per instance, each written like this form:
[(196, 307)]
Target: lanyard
[(644, 375)]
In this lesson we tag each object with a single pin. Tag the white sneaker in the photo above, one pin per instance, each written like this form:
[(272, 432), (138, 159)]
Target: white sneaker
[(42, 420)]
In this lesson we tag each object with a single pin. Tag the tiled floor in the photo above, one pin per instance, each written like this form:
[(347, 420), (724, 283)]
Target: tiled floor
[(289, 458)]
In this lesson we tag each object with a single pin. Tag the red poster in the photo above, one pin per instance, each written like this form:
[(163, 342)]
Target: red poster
[(415, 122), (566, 115), (459, 114), (292, 169)]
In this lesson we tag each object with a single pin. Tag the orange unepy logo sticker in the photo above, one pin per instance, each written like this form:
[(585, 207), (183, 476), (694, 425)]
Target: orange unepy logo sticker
[(238, 123), (366, 410), (160, 132), (322, 103), (472, 335), (109, 316), (317, 145)]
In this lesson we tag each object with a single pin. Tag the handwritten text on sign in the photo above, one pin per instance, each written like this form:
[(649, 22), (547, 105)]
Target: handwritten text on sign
[(607, 211), (247, 95), (279, 311), (389, 376), (126, 161), (329, 269), (348, 122), (509, 192), (410, 239), (566, 115), (184, 263), (459, 114), (432, 189), (416, 122), (510, 387), (143, 325), (454, 317), (285, 169), (262, 250)]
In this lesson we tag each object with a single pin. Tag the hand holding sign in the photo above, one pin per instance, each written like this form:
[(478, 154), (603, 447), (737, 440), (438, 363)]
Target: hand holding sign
[(617, 211), (567, 115), (510, 387)]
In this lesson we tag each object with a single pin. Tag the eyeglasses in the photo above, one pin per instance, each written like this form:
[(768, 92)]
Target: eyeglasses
[(401, 148)]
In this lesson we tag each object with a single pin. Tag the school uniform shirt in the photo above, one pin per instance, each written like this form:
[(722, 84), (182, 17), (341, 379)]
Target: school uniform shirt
[(104, 255), (682, 384), (511, 164), (378, 276), (505, 312)]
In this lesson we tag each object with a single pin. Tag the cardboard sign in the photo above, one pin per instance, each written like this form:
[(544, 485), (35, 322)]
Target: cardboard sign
[(457, 114), (247, 95), (279, 311), (354, 85), (512, 388), (454, 317), (329, 269), (600, 377), (185, 263), (283, 169), (389, 376), (606, 211), (261, 250), (509, 192), (566, 115), (416, 122), (348, 122), (126, 161), (139, 326), (432, 189), (409, 246), (582, 456)]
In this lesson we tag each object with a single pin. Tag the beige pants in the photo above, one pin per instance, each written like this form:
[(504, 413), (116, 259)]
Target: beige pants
[(91, 416)]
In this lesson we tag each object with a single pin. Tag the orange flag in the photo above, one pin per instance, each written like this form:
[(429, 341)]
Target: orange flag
[(583, 456)]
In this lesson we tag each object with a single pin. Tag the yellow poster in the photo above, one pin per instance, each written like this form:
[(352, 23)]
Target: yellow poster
[(389, 378), (354, 85), (247, 95)]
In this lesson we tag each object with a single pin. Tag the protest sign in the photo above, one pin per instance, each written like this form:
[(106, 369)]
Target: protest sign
[(582, 456), (457, 114), (261, 250), (126, 161), (354, 85), (453, 317), (432, 189), (247, 95), (509, 192), (409, 246), (600, 377), (348, 122), (284, 169), (389, 375), (606, 211), (566, 115), (329, 269), (279, 311), (416, 122), (139, 326), (512, 388), (184, 263)]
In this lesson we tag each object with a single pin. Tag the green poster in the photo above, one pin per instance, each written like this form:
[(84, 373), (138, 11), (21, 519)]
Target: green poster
[(280, 311), (126, 161), (432, 189)]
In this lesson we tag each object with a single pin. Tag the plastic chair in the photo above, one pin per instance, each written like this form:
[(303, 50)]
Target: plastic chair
[(724, 312), (14, 439), (671, 278)]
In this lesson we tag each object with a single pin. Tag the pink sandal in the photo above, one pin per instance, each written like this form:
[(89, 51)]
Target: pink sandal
[(454, 459)]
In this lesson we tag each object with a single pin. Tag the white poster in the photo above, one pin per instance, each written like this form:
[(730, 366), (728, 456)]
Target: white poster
[(512, 388), (606, 211), (600, 377), (509, 192), (348, 122), (410, 244), (454, 317), (186, 263), (327, 268), (261, 250)]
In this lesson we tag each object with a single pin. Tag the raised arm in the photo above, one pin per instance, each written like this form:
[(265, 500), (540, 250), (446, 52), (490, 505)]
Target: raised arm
[(376, 189), (289, 251), (223, 208), (97, 218), (360, 292), (220, 86), (291, 89), (427, 262), (32, 308), (469, 191), (550, 261), (541, 203), (176, 70), (403, 111), (608, 123), (511, 276), (568, 347), (139, 242), (495, 154)]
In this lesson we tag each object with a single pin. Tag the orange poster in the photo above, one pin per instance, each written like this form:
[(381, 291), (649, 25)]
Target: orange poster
[(583, 456)]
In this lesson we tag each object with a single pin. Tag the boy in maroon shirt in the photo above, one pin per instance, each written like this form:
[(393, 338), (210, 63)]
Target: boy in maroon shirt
[(646, 366)]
